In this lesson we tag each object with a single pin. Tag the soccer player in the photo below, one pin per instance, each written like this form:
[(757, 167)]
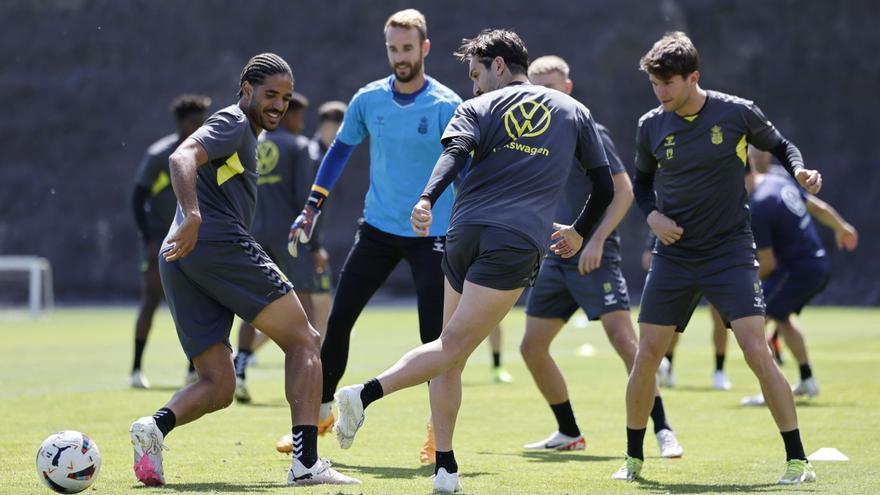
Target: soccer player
[(330, 116), (404, 115), (695, 142), (212, 269), (794, 267), (286, 167), (523, 138), (499, 374), (153, 204), (593, 282)]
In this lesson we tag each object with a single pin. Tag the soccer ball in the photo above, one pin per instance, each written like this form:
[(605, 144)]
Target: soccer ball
[(68, 462)]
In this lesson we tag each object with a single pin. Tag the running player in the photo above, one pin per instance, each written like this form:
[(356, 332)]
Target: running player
[(593, 282), (404, 115), (286, 168), (212, 269), (695, 142), (523, 139), (794, 267), (153, 203)]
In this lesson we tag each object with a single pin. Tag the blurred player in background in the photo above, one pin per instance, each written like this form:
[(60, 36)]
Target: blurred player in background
[(286, 166), (794, 266), (695, 143), (212, 269), (523, 139), (592, 282), (403, 115), (153, 204)]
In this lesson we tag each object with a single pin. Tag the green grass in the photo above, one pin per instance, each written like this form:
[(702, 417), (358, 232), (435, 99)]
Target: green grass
[(69, 371)]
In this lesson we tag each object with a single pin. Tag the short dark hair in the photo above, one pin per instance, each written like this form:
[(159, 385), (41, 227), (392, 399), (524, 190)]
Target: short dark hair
[(188, 104), (298, 101), (261, 66), (333, 111), (672, 55), (491, 43)]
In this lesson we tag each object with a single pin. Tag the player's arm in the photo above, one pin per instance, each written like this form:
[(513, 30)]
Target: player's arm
[(845, 235), (456, 153), (663, 227), (590, 151), (591, 257), (766, 262), (140, 194), (764, 136), (183, 165)]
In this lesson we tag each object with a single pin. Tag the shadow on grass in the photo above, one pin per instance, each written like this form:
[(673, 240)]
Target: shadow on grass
[(556, 456), (218, 487), (274, 403), (695, 388), (656, 487), (399, 472)]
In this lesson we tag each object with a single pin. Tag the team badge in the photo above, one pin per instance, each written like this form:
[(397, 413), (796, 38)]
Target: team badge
[(669, 142), (606, 286), (423, 125), (267, 157), (717, 137)]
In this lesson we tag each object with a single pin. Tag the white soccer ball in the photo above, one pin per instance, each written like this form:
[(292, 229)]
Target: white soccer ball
[(68, 462)]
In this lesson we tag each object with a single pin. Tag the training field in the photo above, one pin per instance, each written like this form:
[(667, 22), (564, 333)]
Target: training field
[(69, 371)]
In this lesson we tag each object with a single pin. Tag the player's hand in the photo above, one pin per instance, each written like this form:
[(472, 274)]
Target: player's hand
[(301, 229), (421, 217), (568, 241), (184, 238), (591, 256), (321, 259), (847, 238), (811, 180), (664, 228)]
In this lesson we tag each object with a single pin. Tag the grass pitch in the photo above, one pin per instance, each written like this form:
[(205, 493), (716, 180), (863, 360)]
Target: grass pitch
[(69, 371)]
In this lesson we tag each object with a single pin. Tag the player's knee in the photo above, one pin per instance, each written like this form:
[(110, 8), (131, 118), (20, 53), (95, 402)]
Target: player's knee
[(532, 350), (757, 354)]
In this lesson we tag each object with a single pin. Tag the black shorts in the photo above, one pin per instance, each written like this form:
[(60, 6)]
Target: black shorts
[(788, 289), (674, 287), (561, 289), (300, 270), (491, 257), (214, 282)]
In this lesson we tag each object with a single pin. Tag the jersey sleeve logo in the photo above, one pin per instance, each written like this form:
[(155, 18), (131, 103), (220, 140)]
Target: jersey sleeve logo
[(527, 119), (267, 157), (162, 181), (791, 197), (230, 169)]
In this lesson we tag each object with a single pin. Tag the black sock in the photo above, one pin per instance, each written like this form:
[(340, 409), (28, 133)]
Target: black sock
[(240, 362), (165, 420), (806, 371), (794, 449), (669, 357), (634, 441), (305, 444), (565, 419), (138, 353), (191, 367), (446, 460), (496, 359), (719, 362), (658, 414), (371, 392)]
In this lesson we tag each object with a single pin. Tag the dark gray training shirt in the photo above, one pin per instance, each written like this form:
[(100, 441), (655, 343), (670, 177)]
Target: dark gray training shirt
[(227, 184), (526, 137), (577, 188), (700, 169), (152, 175), (286, 170)]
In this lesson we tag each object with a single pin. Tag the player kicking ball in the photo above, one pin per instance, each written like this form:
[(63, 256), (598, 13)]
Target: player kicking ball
[(523, 138), (212, 269)]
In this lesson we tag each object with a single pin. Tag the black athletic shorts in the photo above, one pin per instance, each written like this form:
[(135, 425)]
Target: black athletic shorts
[(489, 256), (214, 282)]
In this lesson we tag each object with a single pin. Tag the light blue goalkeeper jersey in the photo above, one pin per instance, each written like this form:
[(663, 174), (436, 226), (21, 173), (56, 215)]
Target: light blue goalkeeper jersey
[(404, 132)]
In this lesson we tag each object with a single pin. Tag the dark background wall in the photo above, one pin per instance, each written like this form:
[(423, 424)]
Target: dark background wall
[(85, 87)]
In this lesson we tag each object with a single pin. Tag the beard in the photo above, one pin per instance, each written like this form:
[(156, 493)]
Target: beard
[(406, 72)]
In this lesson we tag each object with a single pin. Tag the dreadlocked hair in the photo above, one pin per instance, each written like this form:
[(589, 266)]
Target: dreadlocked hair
[(262, 66)]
